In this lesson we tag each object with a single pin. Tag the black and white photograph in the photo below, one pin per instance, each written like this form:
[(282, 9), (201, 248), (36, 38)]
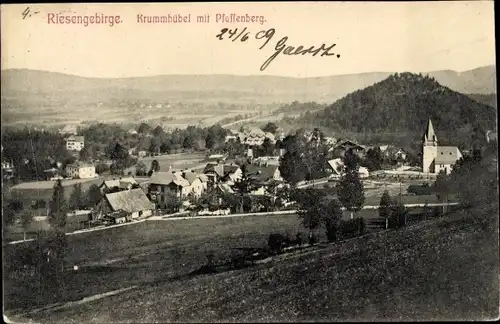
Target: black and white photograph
[(249, 162)]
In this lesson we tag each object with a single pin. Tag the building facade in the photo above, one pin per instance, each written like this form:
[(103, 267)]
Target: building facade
[(80, 171), (437, 158), (75, 143)]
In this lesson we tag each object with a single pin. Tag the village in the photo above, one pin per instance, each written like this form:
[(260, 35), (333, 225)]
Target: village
[(225, 183)]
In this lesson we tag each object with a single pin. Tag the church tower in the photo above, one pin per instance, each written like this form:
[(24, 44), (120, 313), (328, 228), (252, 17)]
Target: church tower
[(429, 147)]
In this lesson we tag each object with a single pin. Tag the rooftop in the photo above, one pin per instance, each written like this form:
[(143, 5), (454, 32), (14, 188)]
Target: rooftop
[(130, 201)]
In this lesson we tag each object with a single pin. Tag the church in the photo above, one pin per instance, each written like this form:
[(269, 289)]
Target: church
[(437, 158)]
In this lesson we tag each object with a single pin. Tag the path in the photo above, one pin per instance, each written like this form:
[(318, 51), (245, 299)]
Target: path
[(174, 218)]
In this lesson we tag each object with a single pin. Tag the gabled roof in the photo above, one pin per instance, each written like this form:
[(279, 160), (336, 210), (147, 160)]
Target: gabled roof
[(130, 201), (214, 167), (262, 173), (225, 188), (348, 144), (221, 169), (447, 155), (166, 178), (203, 177), (76, 138), (79, 165), (190, 176), (337, 166), (121, 183)]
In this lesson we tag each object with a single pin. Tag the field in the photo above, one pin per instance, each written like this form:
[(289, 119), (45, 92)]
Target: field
[(444, 269), (177, 161), (31, 191)]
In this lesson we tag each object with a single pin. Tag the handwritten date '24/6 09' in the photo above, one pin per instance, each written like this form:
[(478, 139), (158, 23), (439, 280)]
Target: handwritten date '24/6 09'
[(281, 45)]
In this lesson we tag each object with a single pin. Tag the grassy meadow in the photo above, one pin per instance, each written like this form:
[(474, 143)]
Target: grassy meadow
[(442, 269)]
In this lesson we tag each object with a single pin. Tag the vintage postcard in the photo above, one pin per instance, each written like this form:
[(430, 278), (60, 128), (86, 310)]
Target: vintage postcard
[(249, 162)]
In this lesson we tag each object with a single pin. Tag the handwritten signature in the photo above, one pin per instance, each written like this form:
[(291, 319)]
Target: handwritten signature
[(281, 46)]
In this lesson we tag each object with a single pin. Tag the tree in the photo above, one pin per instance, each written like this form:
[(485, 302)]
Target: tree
[(94, 195), (155, 145), (189, 141), (58, 207), (100, 168), (272, 189), (310, 206), (398, 216), (441, 187), (331, 217), (270, 127), (155, 167), (26, 219), (141, 169), (210, 141), (267, 148), (85, 153), (373, 160), (244, 186), (350, 187), (76, 197), (292, 168), (143, 128), (385, 208), (158, 131), (171, 202)]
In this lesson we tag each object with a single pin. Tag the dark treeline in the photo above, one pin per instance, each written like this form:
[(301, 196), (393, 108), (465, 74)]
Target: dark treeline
[(33, 151)]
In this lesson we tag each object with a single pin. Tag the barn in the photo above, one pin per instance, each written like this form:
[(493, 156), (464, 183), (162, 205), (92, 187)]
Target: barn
[(134, 202)]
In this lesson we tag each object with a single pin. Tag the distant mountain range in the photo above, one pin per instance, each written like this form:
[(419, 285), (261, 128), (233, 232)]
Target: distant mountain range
[(400, 105), (27, 94)]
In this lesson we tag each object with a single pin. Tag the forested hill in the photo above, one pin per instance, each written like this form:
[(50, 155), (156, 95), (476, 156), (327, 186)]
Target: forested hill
[(487, 99), (400, 106)]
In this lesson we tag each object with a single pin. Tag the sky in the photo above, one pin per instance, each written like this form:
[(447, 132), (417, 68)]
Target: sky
[(370, 37)]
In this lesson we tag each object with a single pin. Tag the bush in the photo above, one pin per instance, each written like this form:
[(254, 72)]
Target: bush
[(276, 242), (39, 203), (398, 216), (353, 227), (424, 189)]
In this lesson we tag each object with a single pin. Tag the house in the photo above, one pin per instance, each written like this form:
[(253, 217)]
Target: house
[(230, 138), (133, 202), (132, 131), (337, 167), (267, 160), (163, 184), (437, 158), (7, 170), (222, 173), (120, 184), (394, 153), (52, 174), (344, 145), (217, 158), (75, 143), (196, 184), (81, 171), (263, 174), (255, 137)]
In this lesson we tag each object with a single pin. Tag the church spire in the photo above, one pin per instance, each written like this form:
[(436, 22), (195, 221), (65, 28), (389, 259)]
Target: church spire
[(430, 135)]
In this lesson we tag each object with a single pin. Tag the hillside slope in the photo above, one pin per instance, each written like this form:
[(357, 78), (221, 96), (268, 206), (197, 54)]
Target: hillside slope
[(487, 99), (444, 269), (401, 105)]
